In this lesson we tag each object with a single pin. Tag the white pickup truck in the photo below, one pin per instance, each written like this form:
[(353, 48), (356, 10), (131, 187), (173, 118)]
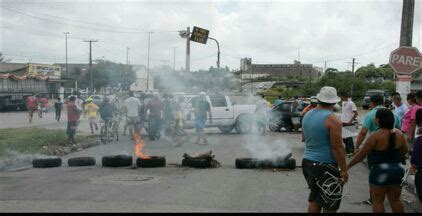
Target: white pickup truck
[(226, 114)]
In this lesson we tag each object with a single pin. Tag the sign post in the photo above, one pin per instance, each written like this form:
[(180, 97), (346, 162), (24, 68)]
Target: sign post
[(405, 61)]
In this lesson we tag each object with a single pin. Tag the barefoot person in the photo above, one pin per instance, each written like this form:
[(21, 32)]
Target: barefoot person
[(202, 107), (385, 149), (324, 153), (72, 119), (91, 110), (31, 106)]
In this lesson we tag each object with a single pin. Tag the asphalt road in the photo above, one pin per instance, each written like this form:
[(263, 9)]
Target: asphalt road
[(173, 188)]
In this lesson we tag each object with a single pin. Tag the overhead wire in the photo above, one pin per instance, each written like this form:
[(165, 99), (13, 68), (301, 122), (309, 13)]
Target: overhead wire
[(83, 27)]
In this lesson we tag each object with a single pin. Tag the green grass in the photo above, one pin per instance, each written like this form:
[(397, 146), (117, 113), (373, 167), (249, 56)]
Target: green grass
[(31, 140)]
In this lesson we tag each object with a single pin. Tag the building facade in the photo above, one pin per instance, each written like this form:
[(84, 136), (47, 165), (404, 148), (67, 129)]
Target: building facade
[(248, 69)]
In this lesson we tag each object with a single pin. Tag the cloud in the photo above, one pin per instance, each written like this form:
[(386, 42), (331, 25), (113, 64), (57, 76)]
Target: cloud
[(270, 32)]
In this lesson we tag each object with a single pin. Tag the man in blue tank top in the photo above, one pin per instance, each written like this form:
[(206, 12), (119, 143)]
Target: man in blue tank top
[(324, 158)]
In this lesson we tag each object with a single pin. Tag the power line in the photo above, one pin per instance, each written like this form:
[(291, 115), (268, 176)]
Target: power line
[(81, 27)]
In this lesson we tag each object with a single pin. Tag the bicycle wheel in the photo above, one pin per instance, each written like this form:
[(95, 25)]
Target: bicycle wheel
[(103, 134)]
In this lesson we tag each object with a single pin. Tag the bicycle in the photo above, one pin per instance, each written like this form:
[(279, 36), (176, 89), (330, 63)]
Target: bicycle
[(110, 130)]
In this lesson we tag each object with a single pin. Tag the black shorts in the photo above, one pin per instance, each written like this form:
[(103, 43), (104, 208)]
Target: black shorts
[(71, 128), (324, 182), (418, 183)]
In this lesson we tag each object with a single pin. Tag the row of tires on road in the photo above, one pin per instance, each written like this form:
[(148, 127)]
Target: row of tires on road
[(158, 161)]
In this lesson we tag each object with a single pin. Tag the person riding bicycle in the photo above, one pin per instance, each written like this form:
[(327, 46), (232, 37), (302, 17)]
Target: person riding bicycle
[(107, 110)]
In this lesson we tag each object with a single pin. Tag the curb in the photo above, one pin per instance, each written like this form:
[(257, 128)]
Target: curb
[(26, 160)]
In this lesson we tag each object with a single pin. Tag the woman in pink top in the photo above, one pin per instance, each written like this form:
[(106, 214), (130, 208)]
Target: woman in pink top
[(406, 121)]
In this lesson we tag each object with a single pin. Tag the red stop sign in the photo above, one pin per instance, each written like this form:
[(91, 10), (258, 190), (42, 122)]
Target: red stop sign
[(405, 60)]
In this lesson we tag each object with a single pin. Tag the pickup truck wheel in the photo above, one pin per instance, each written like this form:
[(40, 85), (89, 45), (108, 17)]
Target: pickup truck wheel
[(226, 129), (244, 123)]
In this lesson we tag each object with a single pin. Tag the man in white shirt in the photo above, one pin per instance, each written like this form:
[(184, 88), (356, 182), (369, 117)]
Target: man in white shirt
[(132, 106), (399, 108), (348, 115)]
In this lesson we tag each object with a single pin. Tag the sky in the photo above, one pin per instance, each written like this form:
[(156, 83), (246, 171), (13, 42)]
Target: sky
[(278, 32)]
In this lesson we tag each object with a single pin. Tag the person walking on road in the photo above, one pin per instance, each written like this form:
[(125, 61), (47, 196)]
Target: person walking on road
[(43, 103), (155, 117), (385, 149), (261, 115), (407, 118), (277, 101), (324, 158), (369, 126), (168, 112), (91, 110), (313, 105), (58, 108), (416, 159), (400, 108), (31, 106), (201, 108), (296, 105), (73, 114), (349, 112), (417, 106), (132, 107)]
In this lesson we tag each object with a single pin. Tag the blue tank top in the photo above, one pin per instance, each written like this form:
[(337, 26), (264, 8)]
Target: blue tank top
[(317, 137)]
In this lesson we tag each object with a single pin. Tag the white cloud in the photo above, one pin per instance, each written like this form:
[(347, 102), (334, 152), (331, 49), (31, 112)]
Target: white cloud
[(266, 32)]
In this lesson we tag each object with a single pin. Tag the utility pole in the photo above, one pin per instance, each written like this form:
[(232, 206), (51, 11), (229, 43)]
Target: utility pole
[(325, 67), (174, 59), (187, 66), (127, 55), (149, 42), (406, 32), (65, 35), (353, 74), (91, 81)]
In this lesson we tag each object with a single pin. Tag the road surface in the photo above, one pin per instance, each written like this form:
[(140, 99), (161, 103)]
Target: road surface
[(175, 188)]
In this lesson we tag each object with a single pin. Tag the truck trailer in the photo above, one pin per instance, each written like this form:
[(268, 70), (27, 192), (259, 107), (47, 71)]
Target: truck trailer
[(15, 89)]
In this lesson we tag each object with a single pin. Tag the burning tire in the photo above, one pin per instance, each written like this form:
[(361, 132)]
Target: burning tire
[(81, 161), (153, 161), (246, 163), (197, 163), (46, 162), (117, 160), (279, 164)]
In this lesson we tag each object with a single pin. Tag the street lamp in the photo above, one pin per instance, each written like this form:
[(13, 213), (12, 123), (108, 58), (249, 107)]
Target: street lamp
[(65, 34)]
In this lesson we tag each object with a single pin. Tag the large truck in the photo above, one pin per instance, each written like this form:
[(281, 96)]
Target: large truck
[(15, 89)]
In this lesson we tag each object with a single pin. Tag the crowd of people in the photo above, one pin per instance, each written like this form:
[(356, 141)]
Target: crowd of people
[(386, 139)]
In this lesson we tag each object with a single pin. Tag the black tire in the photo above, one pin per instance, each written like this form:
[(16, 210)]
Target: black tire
[(46, 162), (81, 161), (154, 161), (117, 160), (246, 163), (244, 123), (226, 129), (196, 163), (103, 135), (279, 164)]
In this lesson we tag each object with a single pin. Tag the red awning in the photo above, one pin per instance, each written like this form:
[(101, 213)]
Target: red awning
[(16, 77)]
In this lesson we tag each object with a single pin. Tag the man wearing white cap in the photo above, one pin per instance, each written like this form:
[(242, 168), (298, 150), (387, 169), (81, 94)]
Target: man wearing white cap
[(324, 157)]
